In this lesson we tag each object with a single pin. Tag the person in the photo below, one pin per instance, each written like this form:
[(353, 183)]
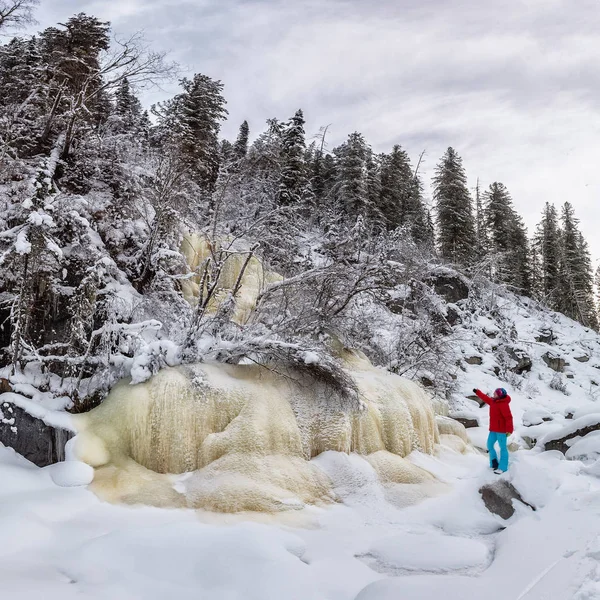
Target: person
[(501, 426)]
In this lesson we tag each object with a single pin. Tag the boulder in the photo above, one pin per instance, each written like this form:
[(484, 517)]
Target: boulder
[(499, 496), (578, 428), (426, 382), (452, 287), (453, 315), (523, 362), (546, 336), (31, 437), (582, 359), (474, 360), (555, 362), (466, 422)]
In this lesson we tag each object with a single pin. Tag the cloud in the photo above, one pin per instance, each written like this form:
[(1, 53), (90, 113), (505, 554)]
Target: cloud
[(511, 85)]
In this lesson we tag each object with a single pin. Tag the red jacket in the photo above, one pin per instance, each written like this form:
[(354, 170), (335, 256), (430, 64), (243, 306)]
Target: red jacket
[(501, 420)]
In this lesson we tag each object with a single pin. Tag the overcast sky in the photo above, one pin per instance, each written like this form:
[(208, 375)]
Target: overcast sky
[(513, 85)]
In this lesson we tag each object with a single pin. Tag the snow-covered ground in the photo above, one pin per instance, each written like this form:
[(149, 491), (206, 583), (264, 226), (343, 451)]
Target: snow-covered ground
[(61, 542)]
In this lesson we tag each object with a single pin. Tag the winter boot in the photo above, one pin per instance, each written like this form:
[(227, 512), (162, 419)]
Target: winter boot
[(494, 463), (499, 472)]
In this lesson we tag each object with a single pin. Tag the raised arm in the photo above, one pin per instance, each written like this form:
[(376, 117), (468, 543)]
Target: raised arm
[(482, 396)]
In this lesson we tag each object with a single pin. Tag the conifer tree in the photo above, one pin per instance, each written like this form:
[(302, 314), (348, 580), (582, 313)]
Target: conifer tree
[(351, 182), (456, 225), (480, 228), (193, 121), (293, 187), (240, 147), (547, 241)]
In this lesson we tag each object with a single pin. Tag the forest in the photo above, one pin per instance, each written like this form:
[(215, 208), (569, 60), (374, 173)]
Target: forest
[(98, 195)]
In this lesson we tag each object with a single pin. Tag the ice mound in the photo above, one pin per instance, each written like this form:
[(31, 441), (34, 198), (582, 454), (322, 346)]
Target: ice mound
[(234, 438)]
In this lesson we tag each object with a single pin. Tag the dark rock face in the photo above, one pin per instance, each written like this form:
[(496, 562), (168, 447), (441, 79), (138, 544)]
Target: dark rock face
[(560, 444), (31, 437), (474, 360), (426, 382), (467, 423), (546, 336), (498, 498), (453, 316), (556, 363), (451, 287), (523, 362)]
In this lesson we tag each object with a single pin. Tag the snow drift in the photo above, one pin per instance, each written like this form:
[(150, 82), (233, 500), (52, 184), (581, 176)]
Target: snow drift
[(235, 438)]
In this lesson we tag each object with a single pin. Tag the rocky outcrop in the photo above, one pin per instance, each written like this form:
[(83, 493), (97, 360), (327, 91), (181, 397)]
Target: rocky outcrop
[(499, 498), (546, 336), (578, 428), (522, 362), (450, 286), (31, 437), (467, 422), (474, 360), (555, 362)]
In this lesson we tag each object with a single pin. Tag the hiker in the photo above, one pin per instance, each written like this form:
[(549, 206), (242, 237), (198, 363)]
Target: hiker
[(501, 426)]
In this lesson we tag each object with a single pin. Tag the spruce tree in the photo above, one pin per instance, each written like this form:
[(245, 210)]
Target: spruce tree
[(240, 147), (547, 242), (456, 225), (293, 187), (351, 184), (193, 121)]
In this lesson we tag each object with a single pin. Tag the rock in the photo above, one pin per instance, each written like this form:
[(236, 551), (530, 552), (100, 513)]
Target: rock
[(523, 362), (491, 333), (569, 415), (426, 382), (498, 498), (4, 386), (531, 442), (555, 362), (570, 376), (474, 360), (31, 437), (582, 359), (546, 336), (452, 315), (452, 287), (466, 422), (536, 417), (578, 428)]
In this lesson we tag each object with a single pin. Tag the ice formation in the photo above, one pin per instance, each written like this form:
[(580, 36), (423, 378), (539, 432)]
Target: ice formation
[(197, 249), (234, 438)]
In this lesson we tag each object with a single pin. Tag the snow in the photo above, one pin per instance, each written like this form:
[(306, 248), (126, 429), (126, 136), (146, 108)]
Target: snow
[(62, 542), (22, 243)]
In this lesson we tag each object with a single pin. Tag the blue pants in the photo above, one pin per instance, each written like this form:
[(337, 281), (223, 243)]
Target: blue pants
[(501, 439)]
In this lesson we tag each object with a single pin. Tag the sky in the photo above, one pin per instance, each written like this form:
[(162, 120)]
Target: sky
[(512, 85)]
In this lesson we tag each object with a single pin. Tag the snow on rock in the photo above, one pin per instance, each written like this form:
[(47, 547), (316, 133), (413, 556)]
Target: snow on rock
[(559, 439), (536, 416), (70, 473), (585, 449), (427, 552)]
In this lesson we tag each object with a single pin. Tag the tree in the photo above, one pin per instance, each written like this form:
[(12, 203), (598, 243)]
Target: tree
[(16, 14), (240, 148), (480, 228), (351, 182), (192, 122), (456, 225), (547, 243), (293, 187), (575, 294)]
